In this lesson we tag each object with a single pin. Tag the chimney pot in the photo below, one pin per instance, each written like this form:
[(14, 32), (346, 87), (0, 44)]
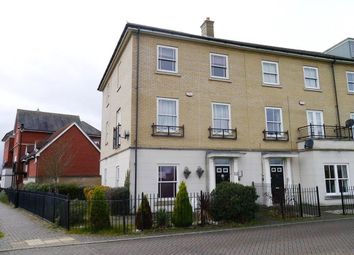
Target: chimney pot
[(207, 27)]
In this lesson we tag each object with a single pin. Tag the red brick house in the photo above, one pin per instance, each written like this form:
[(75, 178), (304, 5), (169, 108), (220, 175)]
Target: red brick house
[(37, 136)]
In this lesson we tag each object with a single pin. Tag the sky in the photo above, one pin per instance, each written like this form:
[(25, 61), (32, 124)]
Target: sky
[(53, 53)]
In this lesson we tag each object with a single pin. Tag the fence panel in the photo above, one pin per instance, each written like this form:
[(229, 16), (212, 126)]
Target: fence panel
[(295, 201), (347, 199), (50, 206)]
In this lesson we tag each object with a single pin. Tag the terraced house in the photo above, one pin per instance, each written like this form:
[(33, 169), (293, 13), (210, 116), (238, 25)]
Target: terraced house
[(183, 107)]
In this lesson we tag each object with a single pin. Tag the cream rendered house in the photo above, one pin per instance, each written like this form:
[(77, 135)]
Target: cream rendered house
[(224, 110)]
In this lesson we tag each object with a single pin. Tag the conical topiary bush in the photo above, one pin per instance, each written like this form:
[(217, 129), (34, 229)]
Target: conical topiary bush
[(143, 217), (182, 212)]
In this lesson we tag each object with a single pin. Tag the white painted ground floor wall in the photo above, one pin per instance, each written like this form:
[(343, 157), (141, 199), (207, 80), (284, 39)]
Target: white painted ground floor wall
[(305, 167)]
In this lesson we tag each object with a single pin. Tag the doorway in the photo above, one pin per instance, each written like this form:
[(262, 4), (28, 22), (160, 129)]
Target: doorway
[(222, 174), (277, 183)]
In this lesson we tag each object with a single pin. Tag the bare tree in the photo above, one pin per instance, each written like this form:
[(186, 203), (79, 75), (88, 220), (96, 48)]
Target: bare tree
[(56, 160)]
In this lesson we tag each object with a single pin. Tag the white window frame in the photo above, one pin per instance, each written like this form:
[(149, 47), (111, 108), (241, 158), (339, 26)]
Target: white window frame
[(117, 176), (158, 177), (351, 82), (317, 78), (158, 57), (157, 112), (277, 83), (213, 115), (351, 116), (227, 66), (336, 179), (315, 128), (281, 121)]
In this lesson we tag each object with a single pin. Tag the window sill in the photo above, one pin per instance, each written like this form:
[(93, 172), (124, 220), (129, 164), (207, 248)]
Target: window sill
[(168, 73), (350, 92), (278, 86), (313, 90), (335, 196), (220, 79)]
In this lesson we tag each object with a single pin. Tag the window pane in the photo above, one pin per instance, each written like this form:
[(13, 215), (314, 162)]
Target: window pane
[(311, 83), (310, 73), (327, 174), (270, 78), (221, 111), (218, 60), (167, 65), (167, 107), (167, 53), (218, 71), (350, 77), (167, 173), (330, 186), (270, 68), (167, 189)]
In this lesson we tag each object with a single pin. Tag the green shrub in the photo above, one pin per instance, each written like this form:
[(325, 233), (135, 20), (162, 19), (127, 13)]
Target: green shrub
[(182, 212), (73, 190), (99, 210), (127, 180), (3, 197), (118, 199), (162, 218), (233, 202), (143, 218), (78, 211)]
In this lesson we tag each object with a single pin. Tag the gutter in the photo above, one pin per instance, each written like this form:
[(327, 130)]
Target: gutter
[(335, 92), (136, 118)]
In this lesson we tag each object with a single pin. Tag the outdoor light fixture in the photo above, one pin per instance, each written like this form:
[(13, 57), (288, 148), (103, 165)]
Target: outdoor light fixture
[(186, 172)]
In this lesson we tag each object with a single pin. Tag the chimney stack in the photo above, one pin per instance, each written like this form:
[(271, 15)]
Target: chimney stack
[(207, 28)]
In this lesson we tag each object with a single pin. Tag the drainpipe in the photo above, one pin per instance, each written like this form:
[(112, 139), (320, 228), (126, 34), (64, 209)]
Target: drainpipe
[(335, 93), (136, 119)]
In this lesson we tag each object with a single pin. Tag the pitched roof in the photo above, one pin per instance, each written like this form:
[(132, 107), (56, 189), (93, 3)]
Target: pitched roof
[(187, 36), (51, 122), (90, 130), (7, 135), (44, 121), (46, 143)]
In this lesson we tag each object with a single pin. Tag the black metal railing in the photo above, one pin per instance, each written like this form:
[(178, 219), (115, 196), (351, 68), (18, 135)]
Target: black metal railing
[(290, 201), (347, 199), (222, 133), (275, 135), (325, 132), (162, 130), (50, 206)]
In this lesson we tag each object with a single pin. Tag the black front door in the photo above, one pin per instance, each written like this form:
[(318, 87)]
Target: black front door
[(222, 174), (277, 182)]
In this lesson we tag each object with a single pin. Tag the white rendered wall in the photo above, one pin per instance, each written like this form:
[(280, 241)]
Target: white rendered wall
[(6, 178), (123, 160), (312, 170)]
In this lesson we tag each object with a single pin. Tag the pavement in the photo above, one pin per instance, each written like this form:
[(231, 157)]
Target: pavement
[(26, 234)]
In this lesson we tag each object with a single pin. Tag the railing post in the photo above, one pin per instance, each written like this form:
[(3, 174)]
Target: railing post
[(17, 198), (142, 211), (124, 211), (311, 130), (276, 135), (318, 202), (342, 197), (168, 130), (324, 131), (68, 214), (300, 201), (201, 209), (282, 202)]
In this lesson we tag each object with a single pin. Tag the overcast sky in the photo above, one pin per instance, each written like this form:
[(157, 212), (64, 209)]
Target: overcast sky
[(53, 53)]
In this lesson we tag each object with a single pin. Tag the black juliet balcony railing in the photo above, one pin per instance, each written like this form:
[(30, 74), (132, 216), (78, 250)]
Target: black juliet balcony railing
[(220, 133), (275, 135), (171, 131), (325, 132)]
